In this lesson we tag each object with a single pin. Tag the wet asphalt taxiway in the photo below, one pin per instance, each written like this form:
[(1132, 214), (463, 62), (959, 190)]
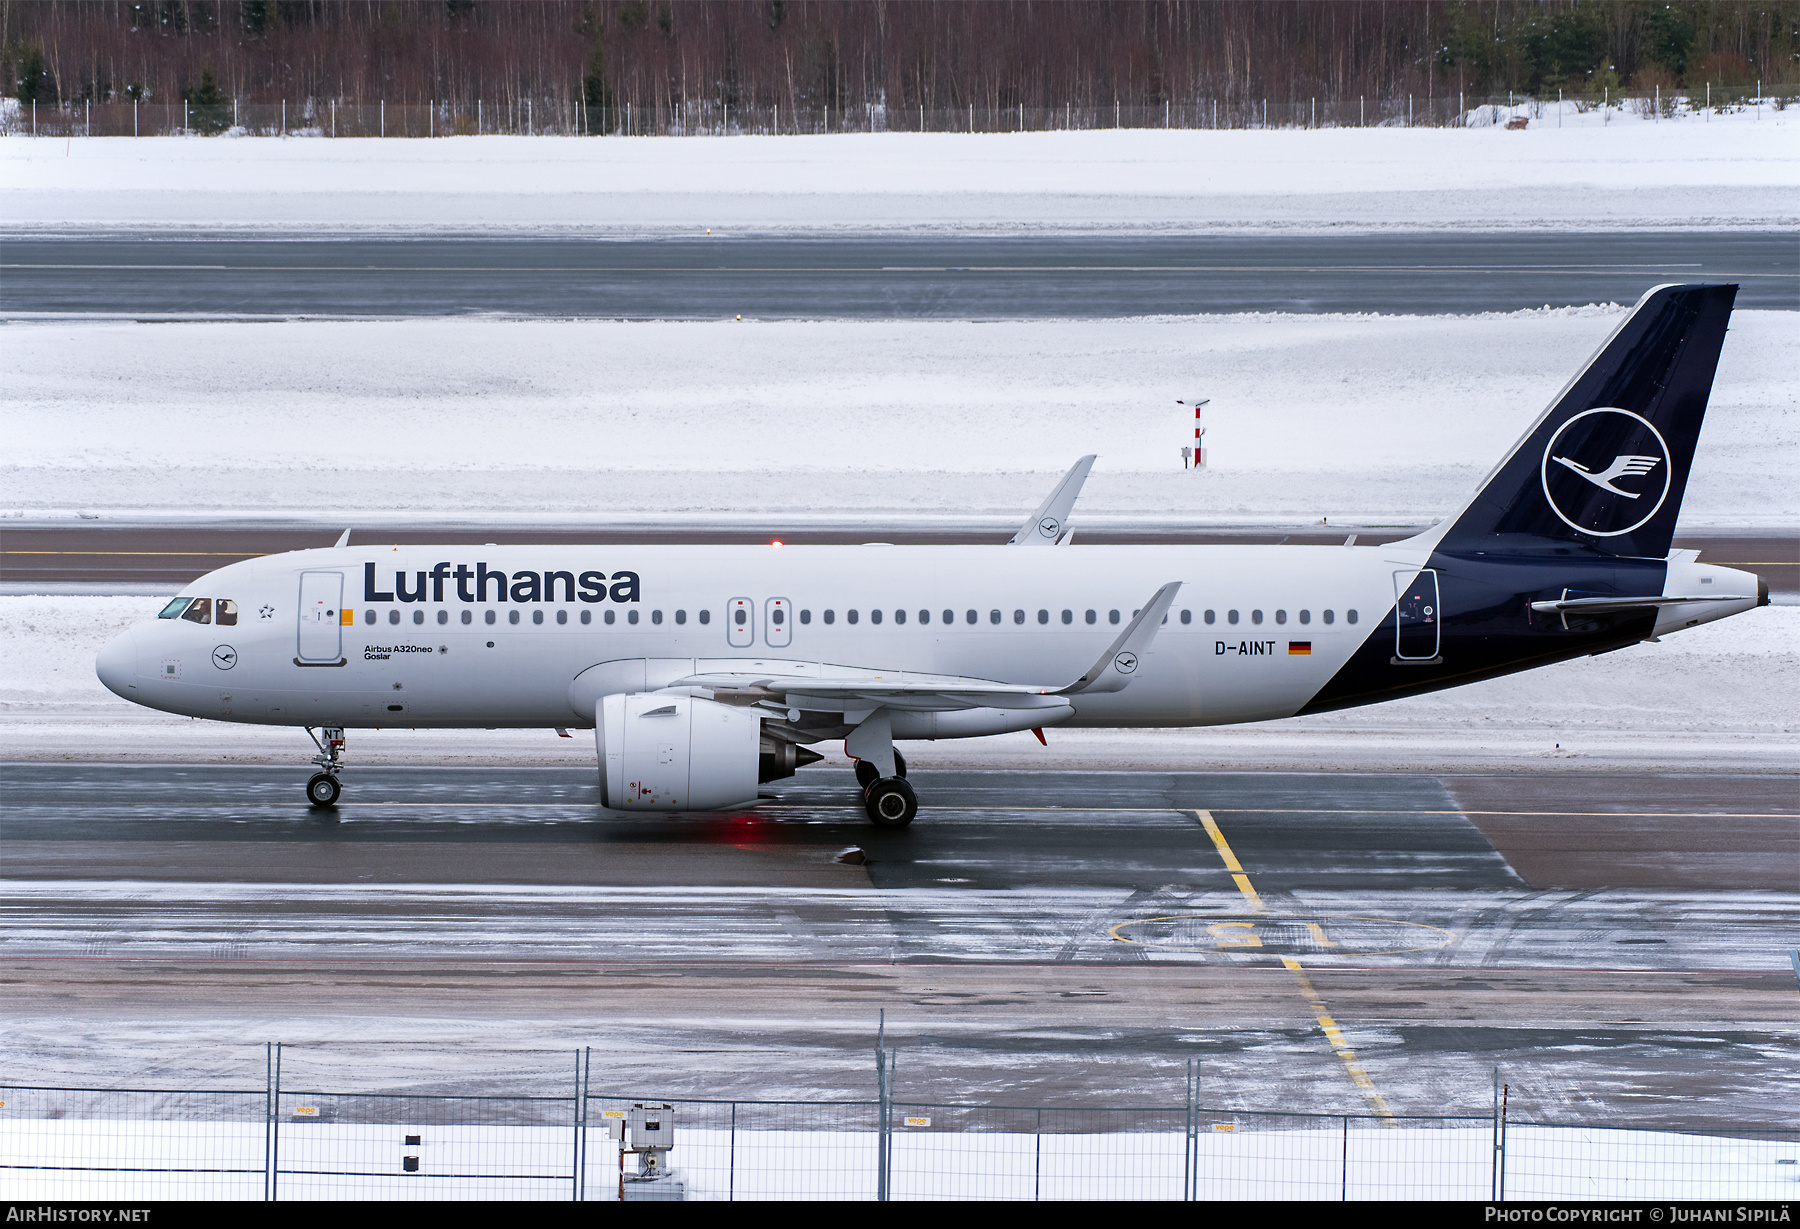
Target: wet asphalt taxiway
[(1611, 942)]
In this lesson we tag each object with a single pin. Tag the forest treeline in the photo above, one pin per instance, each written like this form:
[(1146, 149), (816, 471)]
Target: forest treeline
[(880, 53)]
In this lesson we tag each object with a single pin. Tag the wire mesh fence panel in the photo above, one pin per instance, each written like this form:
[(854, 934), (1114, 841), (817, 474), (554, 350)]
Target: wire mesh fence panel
[(358, 1146), (1418, 1158), (969, 1152), (1268, 1156), (743, 1150), (84, 1144), (1571, 1162)]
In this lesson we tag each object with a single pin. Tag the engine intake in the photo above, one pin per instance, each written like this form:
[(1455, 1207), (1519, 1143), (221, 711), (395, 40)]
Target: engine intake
[(676, 753)]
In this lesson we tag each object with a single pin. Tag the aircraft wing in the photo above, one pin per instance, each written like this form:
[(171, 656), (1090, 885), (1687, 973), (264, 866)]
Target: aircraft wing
[(815, 686)]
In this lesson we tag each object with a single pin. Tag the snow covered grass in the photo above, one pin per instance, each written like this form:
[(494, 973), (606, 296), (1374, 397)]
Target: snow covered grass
[(1378, 419), (1723, 695), (1709, 170)]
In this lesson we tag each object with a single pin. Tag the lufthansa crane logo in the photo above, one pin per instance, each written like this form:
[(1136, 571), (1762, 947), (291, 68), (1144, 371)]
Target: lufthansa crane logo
[(1049, 526), (224, 657), (1606, 472), (1125, 663)]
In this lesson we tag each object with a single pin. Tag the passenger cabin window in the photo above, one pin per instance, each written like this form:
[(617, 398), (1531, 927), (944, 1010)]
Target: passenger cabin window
[(830, 617), (1112, 616), (488, 616), (1092, 616), (418, 616), (1349, 616), (850, 615), (610, 616), (1330, 616), (444, 616), (994, 617), (705, 617), (512, 616), (562, 616), (537, 617), (1305, 616), (656, 617), (1187, 616), (369, 617), (681, 617), (200, 611), (1068, 616), (899, 616), (174, 608), (1281, 616), (1231, 616), (1210, 617), (805, 617), (1256, 616), (949, 616), (1018, 616), (972, 616), (874, 616), (631, 617), (587, 616), (1043, 616), (226, 615)]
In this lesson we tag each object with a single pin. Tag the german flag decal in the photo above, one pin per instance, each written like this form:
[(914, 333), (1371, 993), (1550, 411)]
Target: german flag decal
[(1299, 648)]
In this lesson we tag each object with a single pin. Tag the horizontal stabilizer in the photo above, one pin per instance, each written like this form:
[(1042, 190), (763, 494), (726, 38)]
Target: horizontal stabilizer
[(1598, 604)]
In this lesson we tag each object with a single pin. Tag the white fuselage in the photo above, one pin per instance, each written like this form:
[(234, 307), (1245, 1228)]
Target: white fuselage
[(1254, 633)]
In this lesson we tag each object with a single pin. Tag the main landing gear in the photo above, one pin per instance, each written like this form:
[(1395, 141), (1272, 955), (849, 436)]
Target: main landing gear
[(890, 801), (322, 788)]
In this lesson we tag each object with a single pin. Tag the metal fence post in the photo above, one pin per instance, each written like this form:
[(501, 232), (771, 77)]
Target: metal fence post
[(578, 1186), (268, 1120), (275, 1133), (1500, 1194), (1344, 1170), (1494, 1160), (1190, 1163), (1037, 1159)]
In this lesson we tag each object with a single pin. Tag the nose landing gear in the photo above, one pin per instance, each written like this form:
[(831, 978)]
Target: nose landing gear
[(322, 788)]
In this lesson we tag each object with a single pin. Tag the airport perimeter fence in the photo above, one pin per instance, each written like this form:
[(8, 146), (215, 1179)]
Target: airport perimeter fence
[(551, 117), (276, 1143)]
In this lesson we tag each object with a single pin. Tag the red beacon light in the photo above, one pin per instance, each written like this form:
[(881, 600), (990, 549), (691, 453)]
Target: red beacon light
[(775, 542)]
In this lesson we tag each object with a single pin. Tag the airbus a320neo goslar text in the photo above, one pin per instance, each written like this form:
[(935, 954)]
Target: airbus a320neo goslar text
[(706, 670)]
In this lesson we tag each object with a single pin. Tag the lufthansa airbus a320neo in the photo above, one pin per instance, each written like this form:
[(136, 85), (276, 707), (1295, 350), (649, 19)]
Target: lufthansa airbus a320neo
[(706, 670)]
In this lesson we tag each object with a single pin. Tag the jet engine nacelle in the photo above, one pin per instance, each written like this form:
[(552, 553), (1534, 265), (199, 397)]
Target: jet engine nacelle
[(675, 753)]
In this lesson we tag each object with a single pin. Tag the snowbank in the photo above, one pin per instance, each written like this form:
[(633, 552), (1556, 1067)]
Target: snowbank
[(1361, 419), (1723, 695), (1709, 171)]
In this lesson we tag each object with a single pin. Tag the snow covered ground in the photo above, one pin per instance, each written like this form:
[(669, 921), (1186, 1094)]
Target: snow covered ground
[(1356, 418), (92, 1158), (1726, 695), (1589, 171)]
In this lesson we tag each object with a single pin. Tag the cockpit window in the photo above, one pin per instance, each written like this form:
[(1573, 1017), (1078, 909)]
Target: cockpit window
[(227, 613), (200, 611), (174, 608)]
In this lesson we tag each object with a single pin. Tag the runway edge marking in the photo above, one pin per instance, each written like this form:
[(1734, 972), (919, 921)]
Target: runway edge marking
[(1334, 1036)]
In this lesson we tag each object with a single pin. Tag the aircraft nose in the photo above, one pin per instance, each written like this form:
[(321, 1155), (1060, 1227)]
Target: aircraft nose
[(116, 665)]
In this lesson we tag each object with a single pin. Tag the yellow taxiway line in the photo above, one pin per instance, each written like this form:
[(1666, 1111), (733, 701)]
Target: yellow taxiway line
[(1334, 1036)]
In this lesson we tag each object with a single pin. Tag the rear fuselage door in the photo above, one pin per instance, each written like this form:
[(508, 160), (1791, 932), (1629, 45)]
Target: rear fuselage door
[(321, 607), (740, 623), (1416, 608), (778, 619)]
